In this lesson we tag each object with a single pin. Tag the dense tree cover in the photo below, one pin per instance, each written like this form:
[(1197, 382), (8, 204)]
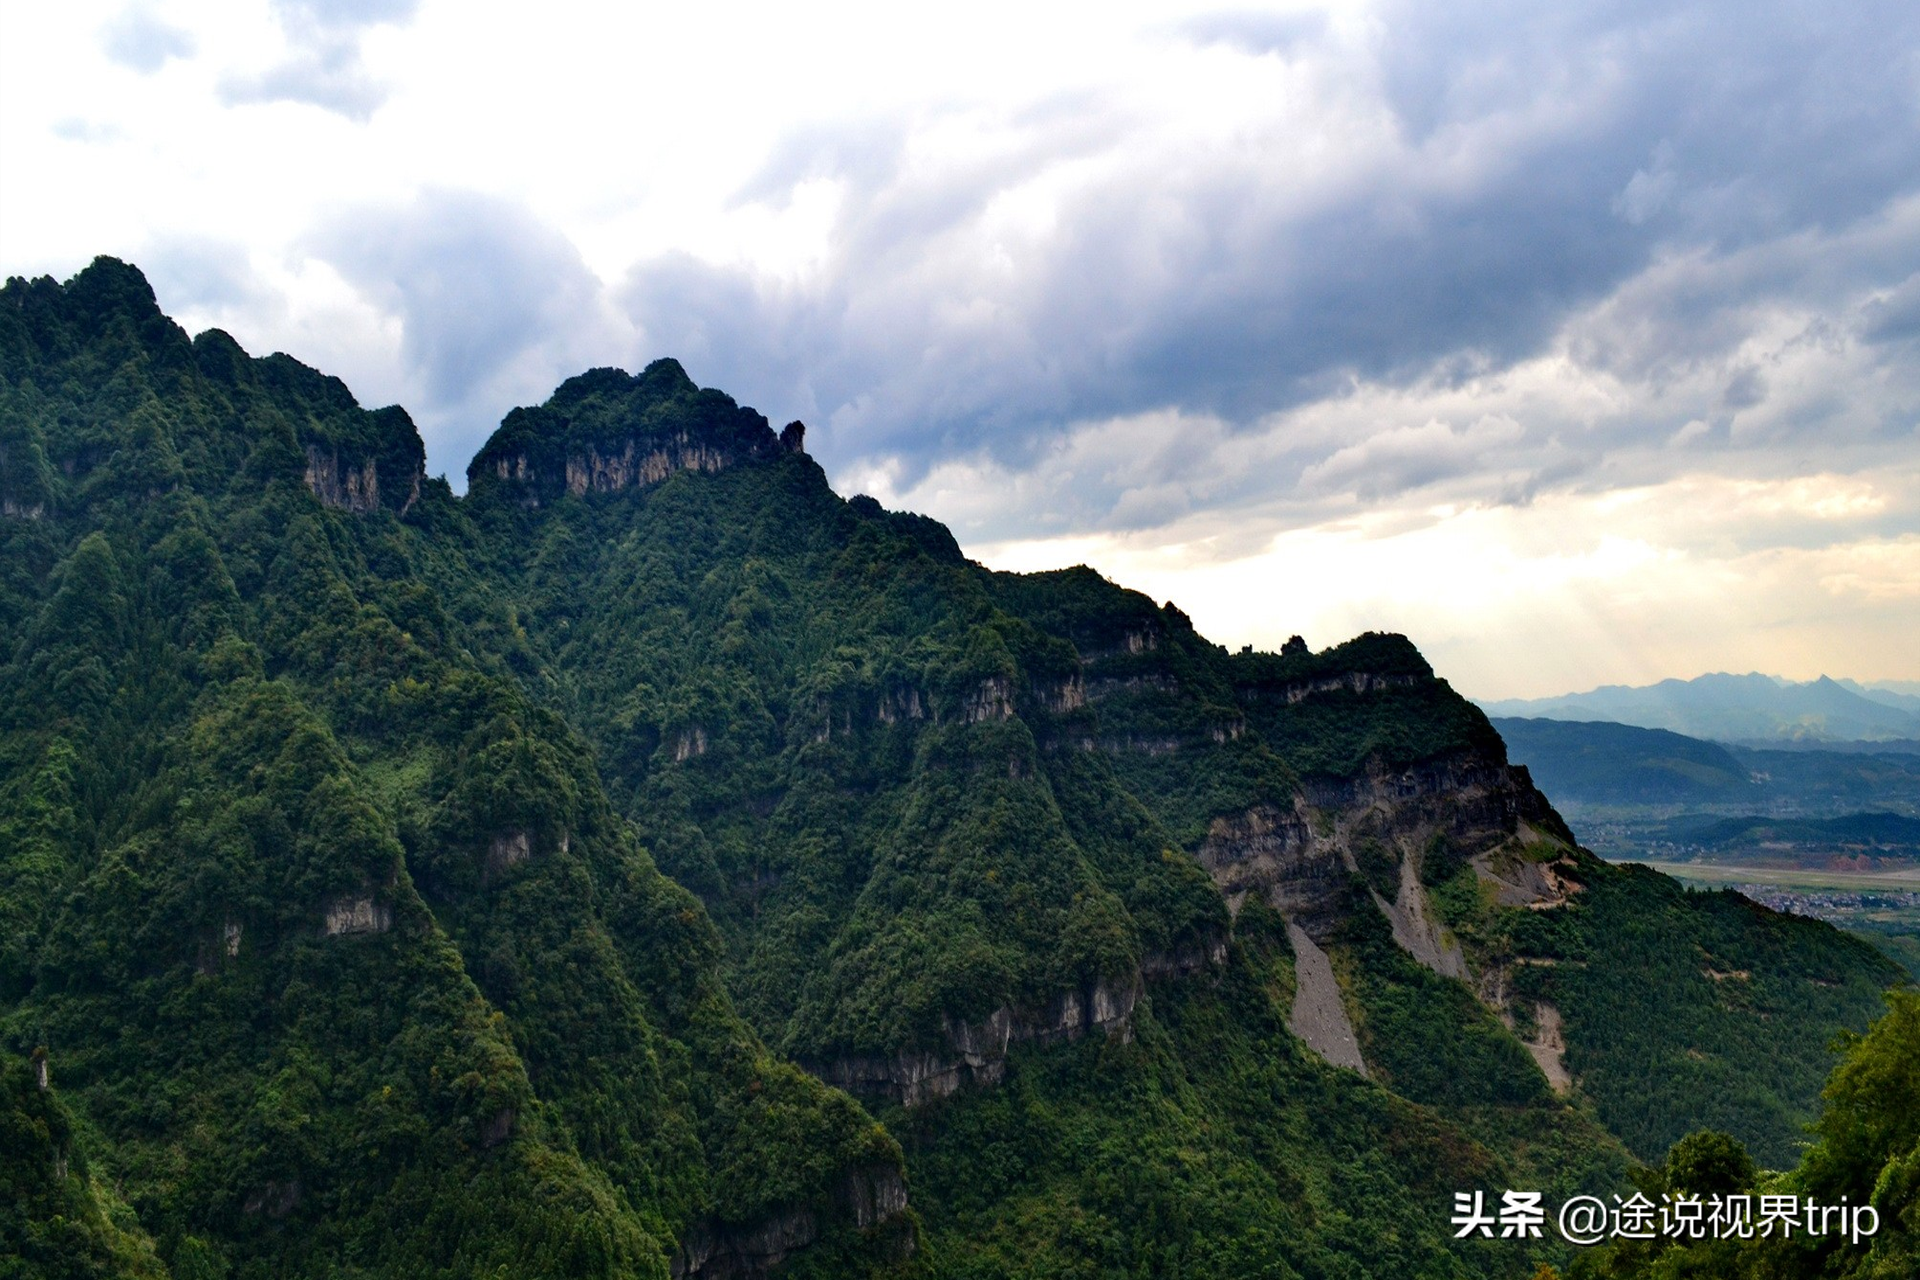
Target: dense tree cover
[(405, 884), (56, 1221), (328, 928), (1214, 1144), (1866, 1151)]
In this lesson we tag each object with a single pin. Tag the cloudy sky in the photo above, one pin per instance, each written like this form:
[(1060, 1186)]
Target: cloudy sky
[(1580, 342)]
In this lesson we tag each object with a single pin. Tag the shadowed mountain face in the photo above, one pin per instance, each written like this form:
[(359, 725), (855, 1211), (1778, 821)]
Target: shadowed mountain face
[(1616, 773), (1728, 708), (1599, 763), (654, 863)]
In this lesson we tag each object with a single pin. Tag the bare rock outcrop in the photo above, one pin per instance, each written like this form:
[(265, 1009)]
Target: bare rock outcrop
[(900, 704), (1549, 1047), (1415, 929), (992, 700), (508, 850), (1276, 853), (355, 486), (976, 1052), (636, 464), (357, 913), (1061, 697), (1351, 681), (540, 470), (1522, 881), (874, 1197), (1301, 859)]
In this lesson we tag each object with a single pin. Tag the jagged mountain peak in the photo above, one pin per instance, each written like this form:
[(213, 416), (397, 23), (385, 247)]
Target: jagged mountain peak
[(662, 379), (606, 430), (44, 320), (268, 418)]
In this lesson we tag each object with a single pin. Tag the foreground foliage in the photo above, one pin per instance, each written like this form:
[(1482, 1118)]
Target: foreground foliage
[(1866, 1151)]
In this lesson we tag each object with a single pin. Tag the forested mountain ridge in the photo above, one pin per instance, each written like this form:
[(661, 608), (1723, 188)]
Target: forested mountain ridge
[(333, 804)]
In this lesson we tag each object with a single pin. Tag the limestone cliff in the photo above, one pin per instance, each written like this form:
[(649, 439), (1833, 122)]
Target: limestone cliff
[(872, 1198), (976, 1052), (1299, 857), (354, 485)]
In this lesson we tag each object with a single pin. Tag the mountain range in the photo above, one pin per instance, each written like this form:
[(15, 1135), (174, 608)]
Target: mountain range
[(1730, 708), (1585, 763), (654, 864)]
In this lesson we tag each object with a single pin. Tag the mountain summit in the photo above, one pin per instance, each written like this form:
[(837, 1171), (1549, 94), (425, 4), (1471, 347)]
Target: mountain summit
[(605, 431)]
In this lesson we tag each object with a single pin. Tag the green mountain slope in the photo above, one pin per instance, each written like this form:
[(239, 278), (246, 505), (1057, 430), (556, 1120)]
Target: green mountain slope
[(56, 1221), (406, 884)]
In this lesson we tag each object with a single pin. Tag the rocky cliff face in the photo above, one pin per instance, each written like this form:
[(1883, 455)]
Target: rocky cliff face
[(1379, 825), (355, 486), (1300, 859), (872, 1197), (357, 913), (1300, 847), (976, 1052), (632, 464)]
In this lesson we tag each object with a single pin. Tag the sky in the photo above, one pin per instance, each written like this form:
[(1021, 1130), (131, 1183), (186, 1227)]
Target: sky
[(1579, 342)]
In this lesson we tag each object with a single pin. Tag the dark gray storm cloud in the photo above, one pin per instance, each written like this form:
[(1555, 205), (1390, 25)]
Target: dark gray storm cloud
[(493, 305), (136, 38), (475, 281), (203, 275), (323, 67), (1634, 182), (1894, 318)]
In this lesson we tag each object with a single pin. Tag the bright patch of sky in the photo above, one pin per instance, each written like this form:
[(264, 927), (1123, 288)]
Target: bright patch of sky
[(1581, 342)]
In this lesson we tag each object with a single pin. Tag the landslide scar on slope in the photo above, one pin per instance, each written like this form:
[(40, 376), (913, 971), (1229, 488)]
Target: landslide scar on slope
[(1319, 1017)]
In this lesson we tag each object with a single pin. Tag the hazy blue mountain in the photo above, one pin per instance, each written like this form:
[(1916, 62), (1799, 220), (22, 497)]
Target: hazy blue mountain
[(1889, 692), (1734, 708), (1598, 762)]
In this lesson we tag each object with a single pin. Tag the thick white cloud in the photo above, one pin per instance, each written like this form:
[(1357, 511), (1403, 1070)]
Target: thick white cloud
[(1373, 283)]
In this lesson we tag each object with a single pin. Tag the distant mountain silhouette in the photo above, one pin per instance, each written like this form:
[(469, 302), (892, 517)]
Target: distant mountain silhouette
[(1733, 708), (1891, 693)]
